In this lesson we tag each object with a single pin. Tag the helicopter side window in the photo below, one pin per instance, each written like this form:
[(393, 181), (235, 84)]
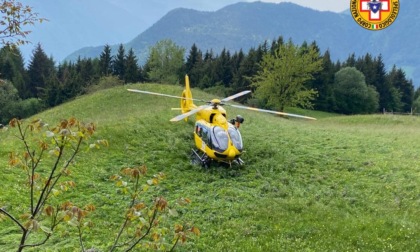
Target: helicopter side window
[(219, 139), (198, 130), (235, 137), (203, 132)]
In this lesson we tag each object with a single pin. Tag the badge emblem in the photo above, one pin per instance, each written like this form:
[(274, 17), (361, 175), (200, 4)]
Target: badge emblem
[(374, 14)]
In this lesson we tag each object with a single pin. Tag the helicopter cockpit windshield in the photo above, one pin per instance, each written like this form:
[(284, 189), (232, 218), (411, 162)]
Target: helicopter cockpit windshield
[(235, 137), (219, 139)]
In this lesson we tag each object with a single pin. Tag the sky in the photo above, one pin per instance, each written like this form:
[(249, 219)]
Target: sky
[(68, 27), (321, 5)]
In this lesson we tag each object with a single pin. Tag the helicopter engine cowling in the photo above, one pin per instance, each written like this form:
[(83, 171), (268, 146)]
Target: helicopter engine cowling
[(219, 119)]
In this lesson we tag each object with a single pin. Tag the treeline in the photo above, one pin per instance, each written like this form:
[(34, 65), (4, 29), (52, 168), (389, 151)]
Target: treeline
[(43, 84), (394, 92)]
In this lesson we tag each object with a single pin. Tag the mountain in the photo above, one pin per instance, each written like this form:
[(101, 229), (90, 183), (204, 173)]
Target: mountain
[(245, 25)]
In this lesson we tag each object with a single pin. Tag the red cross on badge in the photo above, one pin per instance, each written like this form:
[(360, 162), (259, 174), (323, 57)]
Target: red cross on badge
[(375, 7)]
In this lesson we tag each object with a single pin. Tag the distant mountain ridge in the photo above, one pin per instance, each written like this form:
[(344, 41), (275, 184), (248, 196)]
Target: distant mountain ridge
[(245, 25)]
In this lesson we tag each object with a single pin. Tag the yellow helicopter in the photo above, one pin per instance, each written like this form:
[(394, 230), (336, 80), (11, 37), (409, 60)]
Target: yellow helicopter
[(215, 137)]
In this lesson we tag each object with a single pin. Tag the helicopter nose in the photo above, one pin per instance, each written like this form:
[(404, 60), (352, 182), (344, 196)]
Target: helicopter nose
[(231, 153)]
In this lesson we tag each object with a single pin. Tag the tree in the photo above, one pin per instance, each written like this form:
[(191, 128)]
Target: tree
[(118, 64), (323, 83), (352, 95), (105, 61), (281, 80), (248, 67), (132, 71), (12, 68), (40, 67), (87, 71), (8, 97), (194, 65), (223, 68), (416, 105), (405, 87), (207, 78), (351, 61), (237, 76), (165, 62), (389, 97), (15, 18), (11, 105)]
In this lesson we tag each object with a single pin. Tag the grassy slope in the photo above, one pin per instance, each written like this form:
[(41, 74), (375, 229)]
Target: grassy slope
[(336, 184)]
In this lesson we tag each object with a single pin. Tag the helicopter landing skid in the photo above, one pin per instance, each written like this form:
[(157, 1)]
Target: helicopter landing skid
[(202, 160), (205, 160), (239, 161)]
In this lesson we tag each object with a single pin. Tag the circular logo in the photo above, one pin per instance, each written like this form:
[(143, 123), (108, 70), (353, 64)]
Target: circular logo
[(374, 14)]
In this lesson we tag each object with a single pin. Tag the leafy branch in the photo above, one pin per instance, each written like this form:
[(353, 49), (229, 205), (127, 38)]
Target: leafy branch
[(16, 16), (65, 143), (56, 147)]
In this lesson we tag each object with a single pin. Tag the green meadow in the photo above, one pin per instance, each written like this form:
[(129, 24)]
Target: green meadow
[(340, 183)]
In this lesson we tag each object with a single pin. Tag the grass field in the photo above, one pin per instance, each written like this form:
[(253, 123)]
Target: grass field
[(341, 183)]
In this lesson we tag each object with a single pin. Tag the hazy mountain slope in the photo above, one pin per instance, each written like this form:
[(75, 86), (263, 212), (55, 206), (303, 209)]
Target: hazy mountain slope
[(244, 25)]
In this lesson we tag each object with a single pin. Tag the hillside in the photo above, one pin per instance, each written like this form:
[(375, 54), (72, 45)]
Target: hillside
[(335, 184), (246, 25)]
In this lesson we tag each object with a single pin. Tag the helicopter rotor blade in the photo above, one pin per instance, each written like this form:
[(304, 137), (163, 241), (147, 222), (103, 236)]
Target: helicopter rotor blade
[(272, 112), (235, 96), (191, 112), (166, 95)]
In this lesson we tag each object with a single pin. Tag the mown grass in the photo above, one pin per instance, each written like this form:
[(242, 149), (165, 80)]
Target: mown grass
[(341, 183)]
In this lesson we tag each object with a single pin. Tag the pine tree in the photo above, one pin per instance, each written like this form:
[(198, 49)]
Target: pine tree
[(194, 65), (275, 45), (132, 70), (40, 68), (87, 71), (208, 77), (388, 96), (405, 88), (223, 68), (105, 60), (324, 83), (118, 64), (249, 67), (351, 61), (237, 75)]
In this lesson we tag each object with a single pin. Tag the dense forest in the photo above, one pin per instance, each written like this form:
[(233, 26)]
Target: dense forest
[(358, 85)]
